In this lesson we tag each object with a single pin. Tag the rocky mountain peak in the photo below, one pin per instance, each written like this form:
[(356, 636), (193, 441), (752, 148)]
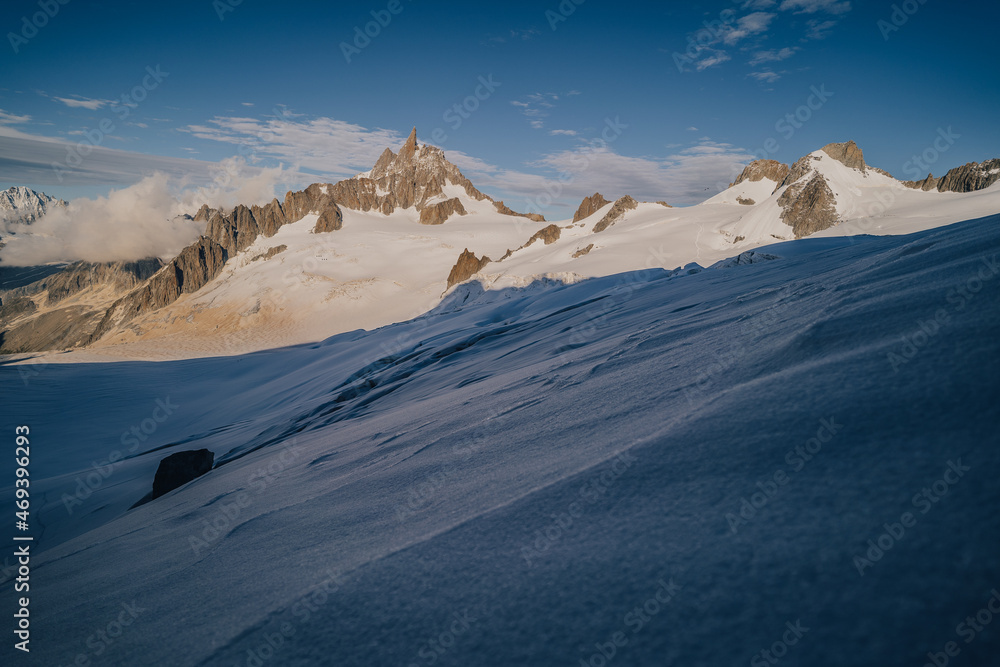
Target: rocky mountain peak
[(761, 169), (21, 205), (589, 206), (848, 154)]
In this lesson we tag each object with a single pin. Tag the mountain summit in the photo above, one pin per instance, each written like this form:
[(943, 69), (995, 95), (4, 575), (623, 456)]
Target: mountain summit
[(21, 205), (418, 176)]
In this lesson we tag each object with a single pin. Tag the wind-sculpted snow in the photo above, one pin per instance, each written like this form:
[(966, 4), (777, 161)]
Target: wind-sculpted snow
[(795, 456)]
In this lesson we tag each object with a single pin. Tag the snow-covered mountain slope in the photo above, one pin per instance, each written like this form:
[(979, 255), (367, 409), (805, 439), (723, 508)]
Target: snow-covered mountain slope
[(673, 467), (21, 205), (384, 244)]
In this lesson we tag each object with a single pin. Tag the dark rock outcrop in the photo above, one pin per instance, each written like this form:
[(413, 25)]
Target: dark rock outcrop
[(467, 266), (180, 468), (616, 213), (589, 206), (437, 214), (745, 201), (809, 206), (847, 154), (761, 169), (583, 251)]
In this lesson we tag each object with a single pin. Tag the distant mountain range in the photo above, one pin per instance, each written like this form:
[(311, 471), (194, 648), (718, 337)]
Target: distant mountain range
[(21, 205), (388, 244)]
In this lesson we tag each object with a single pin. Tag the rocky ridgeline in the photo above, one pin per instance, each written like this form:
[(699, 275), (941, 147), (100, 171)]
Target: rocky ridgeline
[(970, 177), (616, 213), (34, 317), (758, 170)]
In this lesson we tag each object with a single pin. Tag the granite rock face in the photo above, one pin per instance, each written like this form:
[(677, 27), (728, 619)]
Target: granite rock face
[(437, 214), (589, 206), (197, 264), (847, 154), (761, 169), (809, 206), (616, 213), (467, 266)]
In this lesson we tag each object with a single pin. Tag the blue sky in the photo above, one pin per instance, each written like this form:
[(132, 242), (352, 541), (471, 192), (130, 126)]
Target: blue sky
[(686, 92)]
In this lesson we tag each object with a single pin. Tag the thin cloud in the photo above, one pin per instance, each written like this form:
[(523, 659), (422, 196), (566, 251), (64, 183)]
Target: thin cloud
[(536, 107), (7, 118), (83, 102), (717, 58), (813, 6), (751, 24), (773, 55), (820, 29), (767, 76), (567, 133)]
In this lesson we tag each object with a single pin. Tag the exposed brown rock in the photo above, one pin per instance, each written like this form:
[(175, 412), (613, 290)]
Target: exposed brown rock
[(583, 251), (880, 171), (746, 201), (330, 220), (928, 184), (847, 154), (197, 264), (502, 208), (15, 307), (616, 213), (548, 234), (436, 214), (663, 203), (761, 169), (271, 252), (801, 167), (467, 266), (971, 177), (589, 206), (204, 213), (269, 217), (809, 206)]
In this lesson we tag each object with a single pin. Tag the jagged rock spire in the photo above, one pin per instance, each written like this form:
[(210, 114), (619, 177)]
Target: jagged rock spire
[(409, 149)]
